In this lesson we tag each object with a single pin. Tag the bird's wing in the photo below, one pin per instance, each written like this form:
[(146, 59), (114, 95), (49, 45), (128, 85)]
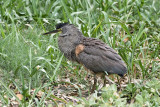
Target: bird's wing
[(99, 48), (98, 57)]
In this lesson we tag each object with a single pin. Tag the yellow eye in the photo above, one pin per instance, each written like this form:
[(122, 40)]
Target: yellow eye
[(59, 30)]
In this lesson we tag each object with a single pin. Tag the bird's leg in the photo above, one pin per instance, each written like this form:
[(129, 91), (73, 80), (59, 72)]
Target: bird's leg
[(119, 83), (104, 83), (94, 85)]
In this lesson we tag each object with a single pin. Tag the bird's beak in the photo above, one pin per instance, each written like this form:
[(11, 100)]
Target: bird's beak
[(54, 31)]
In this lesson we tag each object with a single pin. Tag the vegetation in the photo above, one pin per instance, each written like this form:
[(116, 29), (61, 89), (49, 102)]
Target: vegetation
[(33, 72)]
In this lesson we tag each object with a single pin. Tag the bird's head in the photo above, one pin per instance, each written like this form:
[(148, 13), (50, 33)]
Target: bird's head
[(68, 30), (59, 27)]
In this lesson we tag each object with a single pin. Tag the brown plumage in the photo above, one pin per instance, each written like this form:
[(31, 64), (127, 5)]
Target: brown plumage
[(94, 54)]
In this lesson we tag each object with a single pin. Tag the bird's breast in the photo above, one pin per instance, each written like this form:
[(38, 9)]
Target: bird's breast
[(67, 46)]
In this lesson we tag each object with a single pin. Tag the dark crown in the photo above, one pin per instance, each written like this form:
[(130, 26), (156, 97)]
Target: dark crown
[(60, 25)]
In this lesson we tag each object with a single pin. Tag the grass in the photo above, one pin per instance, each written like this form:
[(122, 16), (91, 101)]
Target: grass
[(31, 63)]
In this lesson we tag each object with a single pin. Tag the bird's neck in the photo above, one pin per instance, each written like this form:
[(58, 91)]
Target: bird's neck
[(67, 44)]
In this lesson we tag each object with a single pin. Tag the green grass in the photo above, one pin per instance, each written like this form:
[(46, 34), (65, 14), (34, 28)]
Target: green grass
[(29, 60)]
